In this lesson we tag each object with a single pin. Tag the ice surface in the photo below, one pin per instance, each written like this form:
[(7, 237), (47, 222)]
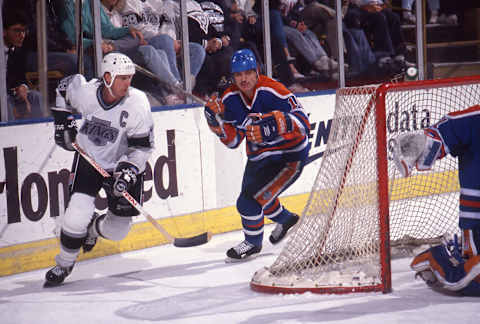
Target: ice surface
[(166, 284)]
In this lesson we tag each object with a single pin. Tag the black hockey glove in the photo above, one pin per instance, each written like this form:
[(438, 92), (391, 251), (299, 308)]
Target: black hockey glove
[(125, 176), (65, 130)]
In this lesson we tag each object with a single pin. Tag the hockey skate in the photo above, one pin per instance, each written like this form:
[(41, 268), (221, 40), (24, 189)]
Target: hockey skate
[(91, 238), (56, 276), (280, 230), (242, 252)]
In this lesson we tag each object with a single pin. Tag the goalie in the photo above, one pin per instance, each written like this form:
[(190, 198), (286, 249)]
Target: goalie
[(276, 129), (454, 266)]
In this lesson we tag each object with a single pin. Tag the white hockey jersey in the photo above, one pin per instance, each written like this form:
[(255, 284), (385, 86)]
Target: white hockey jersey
[(151, 17), (106, 130)]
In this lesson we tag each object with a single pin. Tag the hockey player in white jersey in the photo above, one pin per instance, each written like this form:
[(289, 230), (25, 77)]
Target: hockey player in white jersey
[(117, 132), (453, 266)]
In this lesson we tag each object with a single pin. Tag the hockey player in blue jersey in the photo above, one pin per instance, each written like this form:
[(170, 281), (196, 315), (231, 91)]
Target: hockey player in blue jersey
[(454, 266), (276, 129)]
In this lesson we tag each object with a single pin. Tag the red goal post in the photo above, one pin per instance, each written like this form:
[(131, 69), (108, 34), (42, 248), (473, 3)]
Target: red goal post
[(360, 206)]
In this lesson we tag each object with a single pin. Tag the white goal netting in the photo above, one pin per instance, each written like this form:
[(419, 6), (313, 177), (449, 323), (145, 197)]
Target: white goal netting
[(359, 205)]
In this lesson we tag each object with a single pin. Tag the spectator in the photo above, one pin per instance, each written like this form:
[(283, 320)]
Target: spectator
[(61, 54), (448, 12), (306, 42), (153, 59), (123, 39), (409, 17), (21, 101), (234, 17), (321, 19), (248, 29), (215, 70), (158, 27), (383, 26), (280, 55), (359, 54)]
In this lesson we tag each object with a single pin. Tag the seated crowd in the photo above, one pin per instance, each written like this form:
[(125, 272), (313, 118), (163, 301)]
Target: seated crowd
[(303, 42)]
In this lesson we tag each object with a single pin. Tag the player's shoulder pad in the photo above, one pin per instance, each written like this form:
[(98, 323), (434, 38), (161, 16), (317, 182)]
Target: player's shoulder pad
[(64, 82), (138, 95), (138, 99), (270, 85)]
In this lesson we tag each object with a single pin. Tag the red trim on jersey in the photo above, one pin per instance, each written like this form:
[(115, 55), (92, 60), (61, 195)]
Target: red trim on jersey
[(274, 188), (469, 110)]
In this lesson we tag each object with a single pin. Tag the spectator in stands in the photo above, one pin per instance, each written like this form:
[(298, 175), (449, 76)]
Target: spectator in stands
[(321, 19), (61, 54), (216, 70), (158, 28), (234, 17), (409, 17), (280, 55), (441, 12), (448, 12), (248, 29), (123, 39), (154, 59), (358, 52), (306, 43), (383, 26), (21, 101)]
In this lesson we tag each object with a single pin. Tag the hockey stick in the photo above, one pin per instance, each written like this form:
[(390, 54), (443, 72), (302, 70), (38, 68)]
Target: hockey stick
[(195, 98), (176, 88), (178, 242), (47, 158)]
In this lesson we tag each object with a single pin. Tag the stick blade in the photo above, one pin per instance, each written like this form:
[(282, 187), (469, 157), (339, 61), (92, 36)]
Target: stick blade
[(193, 241)]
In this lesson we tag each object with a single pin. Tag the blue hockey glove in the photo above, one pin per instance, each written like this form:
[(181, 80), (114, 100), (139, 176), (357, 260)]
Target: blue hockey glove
[(264, 128)]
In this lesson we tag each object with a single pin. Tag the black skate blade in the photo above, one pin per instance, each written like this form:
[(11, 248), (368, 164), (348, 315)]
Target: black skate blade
[(49, 284), (245, 259)]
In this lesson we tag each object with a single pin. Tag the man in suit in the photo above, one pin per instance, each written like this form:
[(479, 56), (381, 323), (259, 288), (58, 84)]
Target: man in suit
[(22, 102)]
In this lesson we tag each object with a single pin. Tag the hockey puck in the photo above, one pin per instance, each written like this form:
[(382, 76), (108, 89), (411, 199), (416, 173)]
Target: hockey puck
[(411, 73)]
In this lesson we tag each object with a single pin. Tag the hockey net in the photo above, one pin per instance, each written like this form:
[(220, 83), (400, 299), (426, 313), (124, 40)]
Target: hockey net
[(360, 206)]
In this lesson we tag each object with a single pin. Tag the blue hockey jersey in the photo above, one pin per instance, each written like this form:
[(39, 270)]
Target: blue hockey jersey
[(269, 95)]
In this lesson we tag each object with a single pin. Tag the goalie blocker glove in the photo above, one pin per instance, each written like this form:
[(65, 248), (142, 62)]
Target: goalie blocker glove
[(265, 128), (65, 129)]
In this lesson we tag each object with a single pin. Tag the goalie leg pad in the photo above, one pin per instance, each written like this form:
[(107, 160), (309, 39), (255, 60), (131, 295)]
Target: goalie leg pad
[(451, 272)]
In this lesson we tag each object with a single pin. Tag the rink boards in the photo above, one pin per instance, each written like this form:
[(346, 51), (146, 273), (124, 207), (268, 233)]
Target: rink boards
[(191, 184)]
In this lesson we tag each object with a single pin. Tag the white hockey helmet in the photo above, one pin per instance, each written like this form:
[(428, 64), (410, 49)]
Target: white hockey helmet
[(116, 64)]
